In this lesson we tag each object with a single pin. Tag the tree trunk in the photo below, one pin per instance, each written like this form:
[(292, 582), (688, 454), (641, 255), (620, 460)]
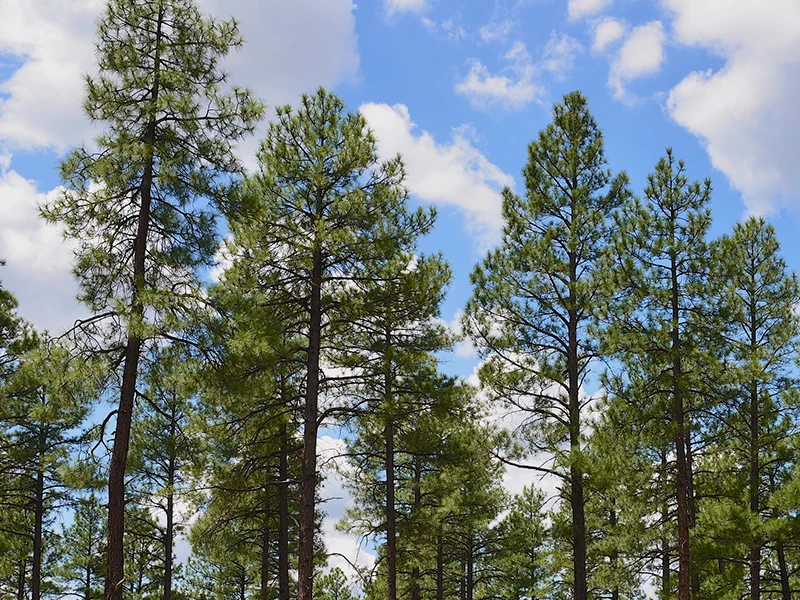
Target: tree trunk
[(614, 553), (115, 573), (577, 503), (36, 571), (416, 591), (265, 551), (684, 556), (755, 500), (470, 567), (308, 476), (283, 518), (439, 566), (391, 526), (21, 580), (786, 590), (692, 509), (170, 527), (665, 543)]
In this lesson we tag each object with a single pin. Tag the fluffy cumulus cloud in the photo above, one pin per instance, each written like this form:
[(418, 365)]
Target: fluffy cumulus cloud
[(513, 88), (606, 32), (560, 53), (578, 9), (51, 46), (449, 174), (641, 54), (38, 261), (746, 111), (54, 43)]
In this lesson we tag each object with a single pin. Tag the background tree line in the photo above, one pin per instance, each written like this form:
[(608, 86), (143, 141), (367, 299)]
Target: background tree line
[(651, 372)]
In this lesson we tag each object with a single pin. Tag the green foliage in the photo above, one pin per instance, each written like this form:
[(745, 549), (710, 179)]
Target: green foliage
[(163, 165), (334, 586), (82, 551)]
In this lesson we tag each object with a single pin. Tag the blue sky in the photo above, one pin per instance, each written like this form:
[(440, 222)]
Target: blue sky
[(460, 88)]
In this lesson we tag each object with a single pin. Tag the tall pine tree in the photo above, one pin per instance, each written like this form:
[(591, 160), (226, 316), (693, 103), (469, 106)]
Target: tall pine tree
[(534, 297), (141, 206)]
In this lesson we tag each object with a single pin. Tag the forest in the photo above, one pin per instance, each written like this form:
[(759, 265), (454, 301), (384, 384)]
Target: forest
[(644, 371)]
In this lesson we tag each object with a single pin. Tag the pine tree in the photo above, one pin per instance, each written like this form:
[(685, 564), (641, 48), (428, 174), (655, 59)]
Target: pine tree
[(522, 562), (756, 426), (43, 406), (142, 206), (390, 349), (662, 323), (82, 544), (164, 448), (333, 586), (325, 214), (534, 297)]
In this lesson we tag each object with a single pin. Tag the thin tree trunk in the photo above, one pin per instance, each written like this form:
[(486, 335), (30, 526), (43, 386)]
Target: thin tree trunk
[(439, 566), (416, 591), (577, 503), (36, 572), (470, 567), (265, 541), (391, 525), (692, 509), (614, 553), (283, 518), (666, 557), (786, 590), (684, 556), (21, 580), (170, 528), (308, 476), (115, 573), (755, 500)]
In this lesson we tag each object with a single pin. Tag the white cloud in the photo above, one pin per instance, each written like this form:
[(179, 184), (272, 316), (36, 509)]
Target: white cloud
[(38, 261), (496, 30), (463, 348), (55, 41), (586, 8), (641, 54), (514, 89), (606, 32), (291, 47), (345, 549), (405, 6), (746, 112), (560, 53), (450, 174)]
